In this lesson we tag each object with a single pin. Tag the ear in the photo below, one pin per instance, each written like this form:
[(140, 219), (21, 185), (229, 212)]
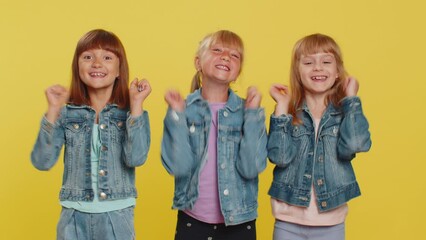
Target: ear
[(197, 63)]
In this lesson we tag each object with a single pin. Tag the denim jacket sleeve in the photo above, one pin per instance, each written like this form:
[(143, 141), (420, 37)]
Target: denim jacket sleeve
[(48, 145), (281, 150), (354, 134), (176, 153), (253, 152), (137, 140)]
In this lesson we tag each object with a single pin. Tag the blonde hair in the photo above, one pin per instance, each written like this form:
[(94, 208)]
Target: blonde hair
[(224, 37), (312, 44)]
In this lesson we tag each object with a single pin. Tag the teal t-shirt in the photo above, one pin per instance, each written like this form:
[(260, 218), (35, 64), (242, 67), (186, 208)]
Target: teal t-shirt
[(97, 206)]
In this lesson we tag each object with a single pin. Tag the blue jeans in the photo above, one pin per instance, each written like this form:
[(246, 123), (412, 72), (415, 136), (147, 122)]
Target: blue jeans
[(114, 225), (291, 231)]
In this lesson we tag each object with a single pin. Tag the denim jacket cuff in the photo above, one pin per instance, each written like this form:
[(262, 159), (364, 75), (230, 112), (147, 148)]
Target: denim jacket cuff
[(351, 104), (175, 118), (254, 115), (48, 126), (134, 122), (280, 122)]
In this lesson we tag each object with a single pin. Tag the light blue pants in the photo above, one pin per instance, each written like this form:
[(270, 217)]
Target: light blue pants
[(291, 231), (114, 225)]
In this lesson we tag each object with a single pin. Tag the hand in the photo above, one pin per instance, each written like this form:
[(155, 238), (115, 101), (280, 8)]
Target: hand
[(57, 96), (281, 95), (175, 100), (138, 92), (253, 98), (351, 86)]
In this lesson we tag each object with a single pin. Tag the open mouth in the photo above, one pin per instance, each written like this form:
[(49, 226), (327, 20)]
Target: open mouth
[(319, 78), (222, 67), (97, 74)]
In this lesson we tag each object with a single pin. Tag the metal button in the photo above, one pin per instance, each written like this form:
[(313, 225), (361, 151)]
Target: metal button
[(231, 218), (225, 114), (192, 128), (132, 121), (320, 182), (102, 126), (248, 227), (335, 130), (188, 224), (320, 159), (120, 124), (308, 176), (214, 227), (324, 204), (223, 139), (102, 172), (226, 192), (76, 126), (104, 148), (209, 238), (223, 165), (103, 195)]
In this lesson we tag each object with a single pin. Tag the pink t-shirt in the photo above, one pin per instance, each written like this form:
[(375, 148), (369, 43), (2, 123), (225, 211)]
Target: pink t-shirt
[(309, 216), (207, 205)]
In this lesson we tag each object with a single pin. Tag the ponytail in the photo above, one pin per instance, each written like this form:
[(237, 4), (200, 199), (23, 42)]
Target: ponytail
[(196, 82)]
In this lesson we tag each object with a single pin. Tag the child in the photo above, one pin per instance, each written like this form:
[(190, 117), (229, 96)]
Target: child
[(315, 132), (214, 144), (106, 135)]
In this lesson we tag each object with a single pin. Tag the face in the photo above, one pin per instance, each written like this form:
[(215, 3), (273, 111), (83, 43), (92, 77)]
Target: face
[(318, 72), (219, 64), (98, 68)]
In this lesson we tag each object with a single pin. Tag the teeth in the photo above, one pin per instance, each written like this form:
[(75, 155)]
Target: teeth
[(223, 67), (97, 74), (319, 78)]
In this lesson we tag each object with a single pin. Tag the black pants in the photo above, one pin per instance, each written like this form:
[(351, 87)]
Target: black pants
[(189, 228)]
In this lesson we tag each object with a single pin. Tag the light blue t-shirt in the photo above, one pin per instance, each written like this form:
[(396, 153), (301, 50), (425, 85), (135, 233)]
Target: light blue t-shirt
[(97, 206)]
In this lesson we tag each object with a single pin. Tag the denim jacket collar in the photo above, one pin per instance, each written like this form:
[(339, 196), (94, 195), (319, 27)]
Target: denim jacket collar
[(233, 104), (106, 108)]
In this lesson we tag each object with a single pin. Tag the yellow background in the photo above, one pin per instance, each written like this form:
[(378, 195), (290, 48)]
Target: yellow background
[(383, 43)]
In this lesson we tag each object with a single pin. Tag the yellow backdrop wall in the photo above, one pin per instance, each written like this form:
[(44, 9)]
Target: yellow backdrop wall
[(383, 43)]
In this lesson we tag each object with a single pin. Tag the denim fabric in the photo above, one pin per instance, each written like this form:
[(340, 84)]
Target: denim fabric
[(114, 225), (302, 160), (291, 231), (125, 144), (241, 154)]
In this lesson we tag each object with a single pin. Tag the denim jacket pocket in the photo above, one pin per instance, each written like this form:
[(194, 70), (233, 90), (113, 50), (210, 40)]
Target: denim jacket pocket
[(74, 132), (118, 127), (196, 136)]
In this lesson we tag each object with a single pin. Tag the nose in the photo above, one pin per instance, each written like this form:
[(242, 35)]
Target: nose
[(96, 63), (318, 66), (225, 56)]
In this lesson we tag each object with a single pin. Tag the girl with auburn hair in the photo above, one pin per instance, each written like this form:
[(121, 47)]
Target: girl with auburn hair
[(106, 134), (214, 144), (316, 130)]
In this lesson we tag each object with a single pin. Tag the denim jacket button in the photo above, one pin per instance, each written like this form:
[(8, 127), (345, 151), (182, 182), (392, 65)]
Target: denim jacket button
[(120, 124), (320, 182), (226, 192), (231, 218), (104, 148), (103, 195), (223, 165), (76, 126), (192, 128), (102, 126), (102, 173), (225, 114), (324, 204)]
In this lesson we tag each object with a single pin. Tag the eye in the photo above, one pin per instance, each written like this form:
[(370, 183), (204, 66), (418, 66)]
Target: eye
[(217, 50), (86, 57), (108, 58), (236, 55), (307, 63)]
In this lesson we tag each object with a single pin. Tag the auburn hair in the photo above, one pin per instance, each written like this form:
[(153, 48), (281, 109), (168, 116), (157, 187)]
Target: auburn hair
[(100, 39)]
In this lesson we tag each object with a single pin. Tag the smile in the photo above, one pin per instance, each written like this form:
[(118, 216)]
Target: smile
[(97, 74), (319, 78), (223, 67)]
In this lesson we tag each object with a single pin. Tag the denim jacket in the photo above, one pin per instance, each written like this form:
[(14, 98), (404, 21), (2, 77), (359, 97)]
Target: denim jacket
[(324, 163), (241, 154), (125, 144)]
